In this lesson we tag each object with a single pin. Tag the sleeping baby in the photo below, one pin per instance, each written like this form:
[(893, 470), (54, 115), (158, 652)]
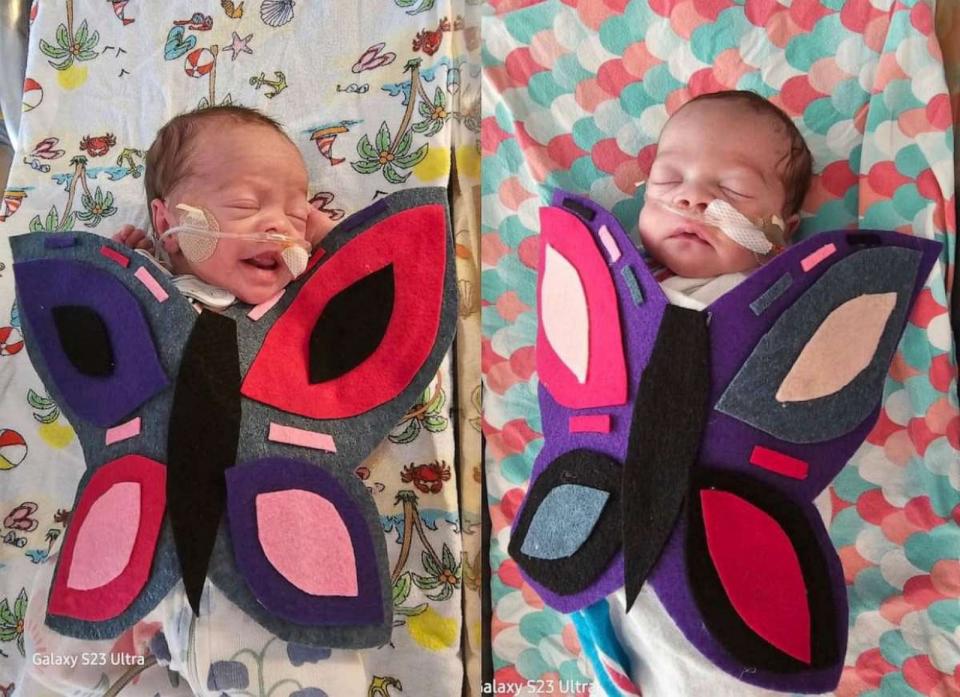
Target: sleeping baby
[(723, 194), (227, 191)]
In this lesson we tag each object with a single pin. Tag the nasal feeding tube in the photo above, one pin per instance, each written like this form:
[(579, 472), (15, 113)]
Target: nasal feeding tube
[(760, 239), (199, 231)]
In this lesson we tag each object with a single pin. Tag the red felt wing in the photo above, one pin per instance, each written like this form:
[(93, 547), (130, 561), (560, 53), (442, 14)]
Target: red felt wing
[(759, 570), (110, 544), (362, 326)]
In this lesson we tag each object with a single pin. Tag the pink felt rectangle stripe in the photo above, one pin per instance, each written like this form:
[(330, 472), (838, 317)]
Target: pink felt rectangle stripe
[(263, 308), (593, 423), (147, 279), (610, 244), (816, 257), (305, 439), (114, 255), (778, 462), (122, 432)]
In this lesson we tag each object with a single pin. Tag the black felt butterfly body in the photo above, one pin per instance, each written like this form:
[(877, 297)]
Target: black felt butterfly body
[(261, 414), (685, 448)]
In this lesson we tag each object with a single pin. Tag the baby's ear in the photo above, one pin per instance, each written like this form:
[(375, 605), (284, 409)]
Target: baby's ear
[(791, 224), (160, 216)]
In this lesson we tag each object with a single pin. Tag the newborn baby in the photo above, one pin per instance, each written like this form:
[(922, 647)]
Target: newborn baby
[(723, 194), (227, 191)]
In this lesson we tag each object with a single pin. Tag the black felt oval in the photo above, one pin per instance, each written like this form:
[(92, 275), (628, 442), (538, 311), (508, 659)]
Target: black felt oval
[(569, 575), (84, 339), (722, 619), (351, 326)]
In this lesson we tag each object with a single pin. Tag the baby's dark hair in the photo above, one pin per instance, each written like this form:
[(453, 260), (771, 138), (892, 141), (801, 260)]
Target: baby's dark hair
[(797, 163), (168, 159)]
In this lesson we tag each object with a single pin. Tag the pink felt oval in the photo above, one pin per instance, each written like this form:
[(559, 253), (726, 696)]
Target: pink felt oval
[(759, 570), (841, 348), (305, 539), (563, 312), (106, 538)]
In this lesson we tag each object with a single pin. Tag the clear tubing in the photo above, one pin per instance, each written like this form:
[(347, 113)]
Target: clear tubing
[(730, 222)]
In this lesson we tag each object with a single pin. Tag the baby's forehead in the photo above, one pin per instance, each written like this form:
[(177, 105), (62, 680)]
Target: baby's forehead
[(726, 129), (723, 118), (232, 150)]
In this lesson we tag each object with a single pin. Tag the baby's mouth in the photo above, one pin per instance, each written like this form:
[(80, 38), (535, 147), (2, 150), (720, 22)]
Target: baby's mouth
[(694, 234), (268, 261)]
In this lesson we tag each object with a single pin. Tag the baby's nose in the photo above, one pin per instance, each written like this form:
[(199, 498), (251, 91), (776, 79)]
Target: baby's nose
[(693, 200), (279, 224)]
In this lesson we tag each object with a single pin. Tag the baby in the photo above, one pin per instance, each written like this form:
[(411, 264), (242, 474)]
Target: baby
[(723, 194), (227, 191)]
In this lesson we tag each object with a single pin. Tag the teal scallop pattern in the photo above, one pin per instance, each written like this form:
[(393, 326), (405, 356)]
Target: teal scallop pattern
[(847, 107)]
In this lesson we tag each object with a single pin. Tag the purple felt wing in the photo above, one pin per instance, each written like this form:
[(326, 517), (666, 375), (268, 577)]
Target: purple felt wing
[(735, 419), (105, 331), (302, 544), (90, 332), (592, 281), (798, 355)]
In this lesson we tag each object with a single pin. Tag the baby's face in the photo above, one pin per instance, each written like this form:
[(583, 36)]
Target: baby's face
[(711, 150), (252, 180)]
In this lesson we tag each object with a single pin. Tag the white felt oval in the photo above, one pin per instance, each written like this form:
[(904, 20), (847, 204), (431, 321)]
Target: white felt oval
[(106, 537), (564, 314), (840, 349), (306, 540)]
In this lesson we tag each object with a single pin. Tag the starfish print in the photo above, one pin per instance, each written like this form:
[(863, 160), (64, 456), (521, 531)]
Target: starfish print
[(238, 45)]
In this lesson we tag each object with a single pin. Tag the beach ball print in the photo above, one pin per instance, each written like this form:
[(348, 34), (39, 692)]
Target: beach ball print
[(32, 94), (13, 449), (10, 341), (199, 62)]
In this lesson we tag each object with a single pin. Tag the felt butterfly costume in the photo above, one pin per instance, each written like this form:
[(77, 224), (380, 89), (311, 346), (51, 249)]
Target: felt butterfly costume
[(224, 445), (685, 448)]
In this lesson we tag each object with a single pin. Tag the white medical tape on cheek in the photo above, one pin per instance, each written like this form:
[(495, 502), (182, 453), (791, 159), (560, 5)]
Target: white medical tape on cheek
[(737, 226), (197, 247)]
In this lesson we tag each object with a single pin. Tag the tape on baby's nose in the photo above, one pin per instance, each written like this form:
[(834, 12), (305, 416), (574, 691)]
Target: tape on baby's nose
[(737, 227)]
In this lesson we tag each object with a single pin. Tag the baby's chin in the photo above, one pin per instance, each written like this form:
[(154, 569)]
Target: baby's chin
[(689, 265), (255, 296), (693, 268), (696, 261)]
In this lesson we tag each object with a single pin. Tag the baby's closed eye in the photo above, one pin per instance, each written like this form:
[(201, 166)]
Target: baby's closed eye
[(739, 192)]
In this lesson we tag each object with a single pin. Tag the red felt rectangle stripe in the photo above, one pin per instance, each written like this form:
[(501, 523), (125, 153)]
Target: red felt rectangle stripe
[(116, 256), (595, 423), (778, 462)]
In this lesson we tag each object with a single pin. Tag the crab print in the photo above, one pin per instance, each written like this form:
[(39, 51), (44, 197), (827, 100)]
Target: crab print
[(95, 146), (429, 41), (428, 478)]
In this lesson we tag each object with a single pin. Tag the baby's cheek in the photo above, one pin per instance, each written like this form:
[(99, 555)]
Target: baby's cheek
[(650, 228), (736, 258)]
